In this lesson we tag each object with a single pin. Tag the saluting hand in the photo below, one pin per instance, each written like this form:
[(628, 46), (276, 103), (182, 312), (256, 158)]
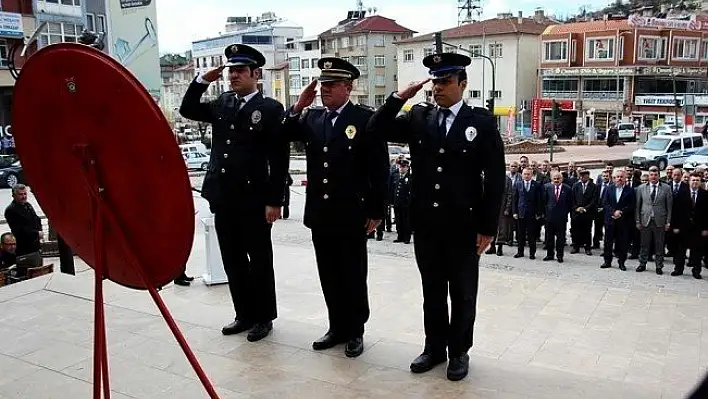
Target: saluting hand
[(272, 213), (307, 97), (213, 74), (412, 89)]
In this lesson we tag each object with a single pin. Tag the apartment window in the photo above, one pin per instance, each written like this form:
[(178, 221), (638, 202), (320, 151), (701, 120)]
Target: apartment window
[(379, 60), (305, 81), (427, 51), (305, 63), (58, 32), (555, 51), (197, 59), (359, 61), (100, 23), (295, 64), (64, 2), (313, 62), (600, 49), (380, 80), (3, 53), (295, 82), (345, 59), (395, 77), (603, 85), (428, 95), (379, 100), (573, 49), (495, 94), (379, 41), (363, 100), (278, 93), (293, 99), (685, 49), (476, 49), (495, 50), (90, 22), (407, 55), (652, 48), (559, 85), (620, 50), (361, 40), (475, 94), (345, 42), (450, 49)]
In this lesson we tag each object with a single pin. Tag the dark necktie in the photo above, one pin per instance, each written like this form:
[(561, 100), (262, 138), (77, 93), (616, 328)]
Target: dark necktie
[(442, 126), (328, 124), (693, 197), (653, 192), (602, 190), (239, 103), (676, 188), (557, 192), (527, 184)]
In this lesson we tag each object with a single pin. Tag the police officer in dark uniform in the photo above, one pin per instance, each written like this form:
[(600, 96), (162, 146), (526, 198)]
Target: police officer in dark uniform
[(347, 172), (402, 203), (244, 184), (457, 185)]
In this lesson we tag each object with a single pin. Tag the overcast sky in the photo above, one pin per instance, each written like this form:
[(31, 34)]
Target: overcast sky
[(177, 26)]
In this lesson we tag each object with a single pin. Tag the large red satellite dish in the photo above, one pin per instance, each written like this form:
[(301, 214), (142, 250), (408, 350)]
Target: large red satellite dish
[(72, 103)]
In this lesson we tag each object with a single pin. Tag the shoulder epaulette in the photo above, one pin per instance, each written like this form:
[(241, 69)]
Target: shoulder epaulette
[(424, 104), (481, 111), (366, 107)]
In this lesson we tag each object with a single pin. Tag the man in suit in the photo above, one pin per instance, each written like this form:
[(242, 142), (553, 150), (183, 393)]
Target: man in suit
[(653, 218), (402, 203), (583, 212), (599, 217), (619, 203), (506, 220), (669, 175), (244, 184), (24, 223), (454, 222), (558, 200), (347, 182), (677, 239), (634, 180), (609, 167), (526, 210), (286, 198), (697, 229)]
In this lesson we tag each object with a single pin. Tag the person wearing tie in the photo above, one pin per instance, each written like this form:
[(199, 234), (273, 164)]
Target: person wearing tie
[(697, 229), (653, 217), (526, 210), (675, 240), (599, 218), (347, 183), (558, 201), (244, 183), (458, 181), (583, 212), (619, 203)]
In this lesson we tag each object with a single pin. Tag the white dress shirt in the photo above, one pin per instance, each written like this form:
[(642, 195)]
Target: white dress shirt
[(200, 79), (454, 110)]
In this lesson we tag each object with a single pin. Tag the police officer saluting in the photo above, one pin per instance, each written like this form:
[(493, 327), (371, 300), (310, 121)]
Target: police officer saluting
[(347, 173), (457, 183), (244, 183)]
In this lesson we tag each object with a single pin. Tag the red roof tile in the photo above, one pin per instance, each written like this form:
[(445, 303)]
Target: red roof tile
[(374, 23), (494, 26)]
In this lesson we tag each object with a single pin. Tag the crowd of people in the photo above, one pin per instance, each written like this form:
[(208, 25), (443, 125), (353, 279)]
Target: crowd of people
[(634, 215)]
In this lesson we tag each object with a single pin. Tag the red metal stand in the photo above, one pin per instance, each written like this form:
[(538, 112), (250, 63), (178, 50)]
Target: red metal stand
[(102, 213)]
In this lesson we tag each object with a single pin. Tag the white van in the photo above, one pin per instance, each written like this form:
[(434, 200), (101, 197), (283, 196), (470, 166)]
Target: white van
[(663, 150), (627, 131), (193, 147)]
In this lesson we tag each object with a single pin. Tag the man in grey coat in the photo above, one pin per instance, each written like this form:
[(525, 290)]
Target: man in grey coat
[(653, 218)]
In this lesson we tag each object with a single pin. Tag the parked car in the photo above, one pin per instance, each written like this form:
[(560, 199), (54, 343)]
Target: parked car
[(667, 149), (627, 132), (667, 128), (11, 175), (395, 151), (700, 158), (196, 160)]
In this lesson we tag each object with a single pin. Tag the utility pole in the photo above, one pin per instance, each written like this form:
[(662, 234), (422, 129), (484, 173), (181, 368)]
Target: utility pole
[(438, 43), (677, 103)]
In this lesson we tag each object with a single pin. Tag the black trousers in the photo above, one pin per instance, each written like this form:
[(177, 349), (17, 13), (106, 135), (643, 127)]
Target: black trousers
[(66, 257), (403, 223), (635, 241), (386, 223), (555, 232), (286, 203), (599, 225), (342, 265), (581, 231), (527, 227), (448, 263), (617, 236), (247, 254), (697, 245)]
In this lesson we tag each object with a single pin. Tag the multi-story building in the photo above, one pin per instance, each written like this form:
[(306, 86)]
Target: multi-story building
[(279, 80), (622, 70), (512, 44), (303, 55), (18, 22), (65, 20), (177, 72), (267, 34), (96, 20), (366, 42)]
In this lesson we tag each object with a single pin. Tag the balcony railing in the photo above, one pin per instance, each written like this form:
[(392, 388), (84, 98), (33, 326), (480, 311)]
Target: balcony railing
[(603, 95)]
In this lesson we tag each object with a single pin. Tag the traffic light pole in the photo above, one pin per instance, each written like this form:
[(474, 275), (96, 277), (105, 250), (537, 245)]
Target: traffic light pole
[(438, 48)]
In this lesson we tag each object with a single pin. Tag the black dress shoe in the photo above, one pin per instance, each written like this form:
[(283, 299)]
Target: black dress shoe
[(329, 340), (183, 282), (548, 258), (560, 260), (458, 367), (697, 275), (259, 331), (588, 252), (499, 251), (379, 238), (641, 268), (532, 256), (354, 347), (574, 251), (397, 240), (518, 255), (623, 267), (605, 265), (427, 361), (236, 327), (676, 273), (659, 271), (490, 251)]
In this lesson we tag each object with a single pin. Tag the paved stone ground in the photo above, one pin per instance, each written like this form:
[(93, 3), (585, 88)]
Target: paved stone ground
[(543, 330)]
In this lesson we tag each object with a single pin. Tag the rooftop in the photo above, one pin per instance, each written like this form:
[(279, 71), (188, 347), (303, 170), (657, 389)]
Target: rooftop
[(374, 23), (494, 26)]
